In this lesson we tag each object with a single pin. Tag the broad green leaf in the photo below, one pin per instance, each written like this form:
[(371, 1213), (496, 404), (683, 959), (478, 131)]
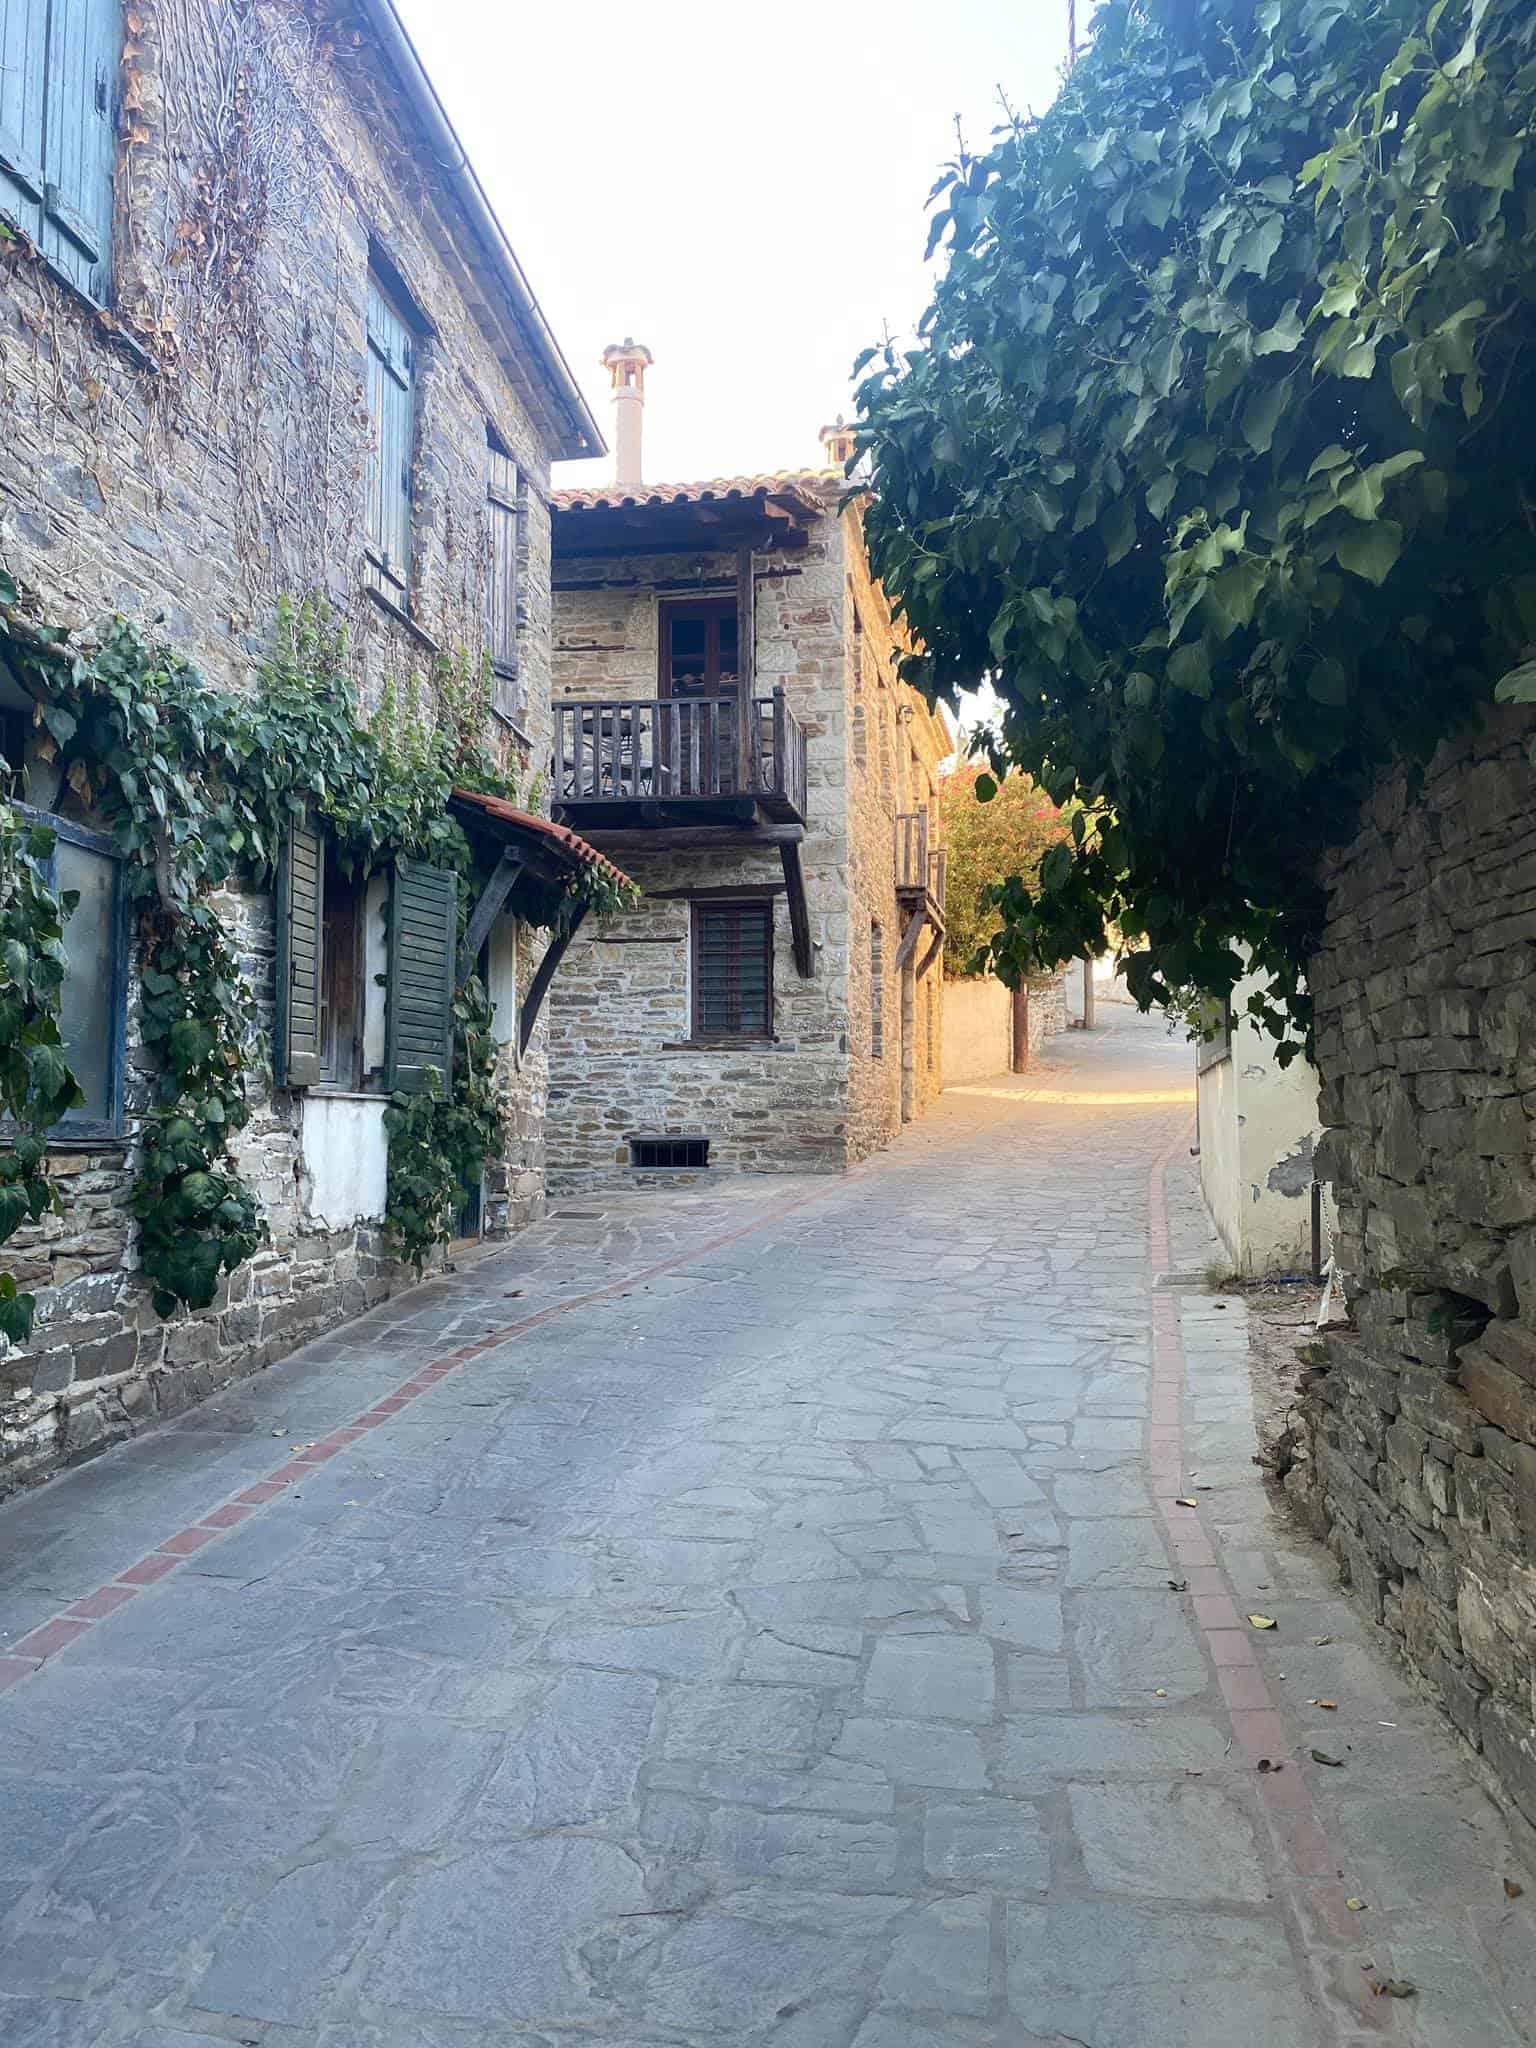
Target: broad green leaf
[(1371, 551)]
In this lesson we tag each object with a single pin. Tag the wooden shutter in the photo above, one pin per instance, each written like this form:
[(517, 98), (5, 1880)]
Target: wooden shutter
[(300, 919), (733, 970), (501, 570), (84, 54), (23, 54), (391, 371), (418, 1011)]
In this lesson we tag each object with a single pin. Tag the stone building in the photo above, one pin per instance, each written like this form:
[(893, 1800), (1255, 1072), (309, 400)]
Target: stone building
[(262, 335), (1418, 1452), (729, 727)]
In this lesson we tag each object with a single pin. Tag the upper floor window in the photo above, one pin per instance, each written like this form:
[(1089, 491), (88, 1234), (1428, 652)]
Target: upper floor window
[(59, 62), (698, 647), (392, 410), (501, 597)]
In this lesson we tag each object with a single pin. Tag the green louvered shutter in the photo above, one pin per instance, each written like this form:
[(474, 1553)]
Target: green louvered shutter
[(418, 1012), (85, 47), (300, 918), (23, 53)]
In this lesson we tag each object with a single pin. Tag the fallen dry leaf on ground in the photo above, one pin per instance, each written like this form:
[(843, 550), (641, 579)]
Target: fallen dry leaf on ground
[(1186, 1500), (1511, 1889), (1396, 1987), (1355, 1905), (1263, 1621), (1321, 1756)]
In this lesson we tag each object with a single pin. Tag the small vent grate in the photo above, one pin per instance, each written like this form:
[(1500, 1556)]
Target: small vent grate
[(663, 1152)]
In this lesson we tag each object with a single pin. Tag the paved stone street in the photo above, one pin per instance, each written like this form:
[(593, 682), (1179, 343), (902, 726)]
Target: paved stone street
[(743, 1615)]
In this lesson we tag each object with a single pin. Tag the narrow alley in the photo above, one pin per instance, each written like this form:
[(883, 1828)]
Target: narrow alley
[(759, 1613)]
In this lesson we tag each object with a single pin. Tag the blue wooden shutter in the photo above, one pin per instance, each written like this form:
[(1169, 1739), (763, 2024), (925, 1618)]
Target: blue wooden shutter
[(391, 374), (300, 910), (84, 55), (23, 53), (418, 1009)]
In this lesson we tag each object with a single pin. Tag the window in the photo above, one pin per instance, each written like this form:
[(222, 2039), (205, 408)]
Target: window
[(501, 537), (733, 970), (698, 647), (876, 992), (321, 931), (341, 977), (59, 63), (93, 1001), (392, 411)]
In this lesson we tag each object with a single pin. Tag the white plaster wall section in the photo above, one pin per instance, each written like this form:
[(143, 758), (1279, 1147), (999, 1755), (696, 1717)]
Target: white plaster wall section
[(346, 1158), (978, 1030), (1258, 1131)]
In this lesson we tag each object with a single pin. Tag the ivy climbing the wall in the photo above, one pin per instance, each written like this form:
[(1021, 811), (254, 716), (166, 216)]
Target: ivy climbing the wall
[(198, 786)]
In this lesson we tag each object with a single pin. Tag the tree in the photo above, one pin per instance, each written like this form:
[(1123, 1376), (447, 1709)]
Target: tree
[(1216, 450), (992, 845)]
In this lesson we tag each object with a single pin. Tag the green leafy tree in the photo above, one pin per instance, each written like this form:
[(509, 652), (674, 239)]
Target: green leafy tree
[(991, 844), (1216, 451)]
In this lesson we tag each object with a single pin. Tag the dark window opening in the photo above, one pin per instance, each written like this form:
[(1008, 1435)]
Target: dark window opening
[(341, 979), (698, 647), (733, 970), (668, 1152)]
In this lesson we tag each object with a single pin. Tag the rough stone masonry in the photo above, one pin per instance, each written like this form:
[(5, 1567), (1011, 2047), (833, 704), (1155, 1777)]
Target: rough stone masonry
[(1420, 1421)]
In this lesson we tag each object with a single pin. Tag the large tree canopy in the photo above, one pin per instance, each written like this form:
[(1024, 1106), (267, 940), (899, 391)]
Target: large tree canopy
[(1218, 450)]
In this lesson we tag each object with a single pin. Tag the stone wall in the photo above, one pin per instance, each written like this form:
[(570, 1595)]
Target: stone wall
[(1420, 1421), (815, 1096), (187, 461)]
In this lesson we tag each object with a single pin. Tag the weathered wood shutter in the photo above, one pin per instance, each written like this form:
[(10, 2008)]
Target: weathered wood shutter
[(83, 57), (418, 1010), (391, 370), (23, 54), (501, 573), (300, 922)]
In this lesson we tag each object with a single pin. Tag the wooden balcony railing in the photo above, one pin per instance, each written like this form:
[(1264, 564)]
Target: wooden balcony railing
[(633, 750), (920, 869)]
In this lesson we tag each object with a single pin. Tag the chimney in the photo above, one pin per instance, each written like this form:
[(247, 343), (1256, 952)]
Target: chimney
[(626, 363), (838, 443)]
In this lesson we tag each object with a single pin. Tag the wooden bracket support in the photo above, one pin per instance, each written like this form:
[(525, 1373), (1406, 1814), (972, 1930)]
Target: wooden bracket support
[(488, 909), (554, 954), (931, 955), (909, 938), (799, 909)]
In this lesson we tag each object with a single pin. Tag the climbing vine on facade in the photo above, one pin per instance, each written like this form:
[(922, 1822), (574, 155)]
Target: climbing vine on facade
[(1215, 452), (197, 785)]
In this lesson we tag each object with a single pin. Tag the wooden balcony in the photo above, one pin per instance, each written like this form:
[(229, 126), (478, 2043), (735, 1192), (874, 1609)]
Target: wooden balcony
[(628, 763), (921, 869)]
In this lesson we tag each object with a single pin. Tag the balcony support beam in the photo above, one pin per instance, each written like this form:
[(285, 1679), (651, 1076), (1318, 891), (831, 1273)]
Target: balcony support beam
[(799, 909)]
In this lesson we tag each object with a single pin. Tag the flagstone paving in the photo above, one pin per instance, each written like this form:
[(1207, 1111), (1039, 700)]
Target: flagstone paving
[(750, 1614)]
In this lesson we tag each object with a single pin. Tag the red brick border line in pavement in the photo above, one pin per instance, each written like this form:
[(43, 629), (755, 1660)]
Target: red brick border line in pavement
[(1299, 1836), (34, 1649)]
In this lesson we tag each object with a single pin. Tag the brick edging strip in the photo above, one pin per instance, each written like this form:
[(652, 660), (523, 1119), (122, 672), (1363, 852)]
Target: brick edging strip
[(31, 1651), (1302, 1843)]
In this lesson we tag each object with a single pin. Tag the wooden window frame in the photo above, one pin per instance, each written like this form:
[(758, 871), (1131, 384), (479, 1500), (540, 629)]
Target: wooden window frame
[(57, 178), (760, 909), (341, 1065), (75, 1125), (713, 610), (391, 360)]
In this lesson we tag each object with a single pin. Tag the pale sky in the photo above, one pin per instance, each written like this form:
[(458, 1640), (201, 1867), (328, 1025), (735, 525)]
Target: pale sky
[(740, 188)]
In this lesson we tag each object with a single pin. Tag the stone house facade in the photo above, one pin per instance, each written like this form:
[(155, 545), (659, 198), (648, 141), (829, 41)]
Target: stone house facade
[(775, 1002), (1418, 1420), (275, 343)]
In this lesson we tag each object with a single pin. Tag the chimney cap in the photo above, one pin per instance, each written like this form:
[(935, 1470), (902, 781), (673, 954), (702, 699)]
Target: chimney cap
[(627, 350), (839, 443)]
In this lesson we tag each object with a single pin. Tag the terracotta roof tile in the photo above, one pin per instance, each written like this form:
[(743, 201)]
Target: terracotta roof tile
[(812, 486), (570, 844)]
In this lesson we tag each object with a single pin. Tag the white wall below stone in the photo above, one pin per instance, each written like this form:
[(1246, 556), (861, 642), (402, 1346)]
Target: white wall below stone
[(346, 1158), (1258, 1130)]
